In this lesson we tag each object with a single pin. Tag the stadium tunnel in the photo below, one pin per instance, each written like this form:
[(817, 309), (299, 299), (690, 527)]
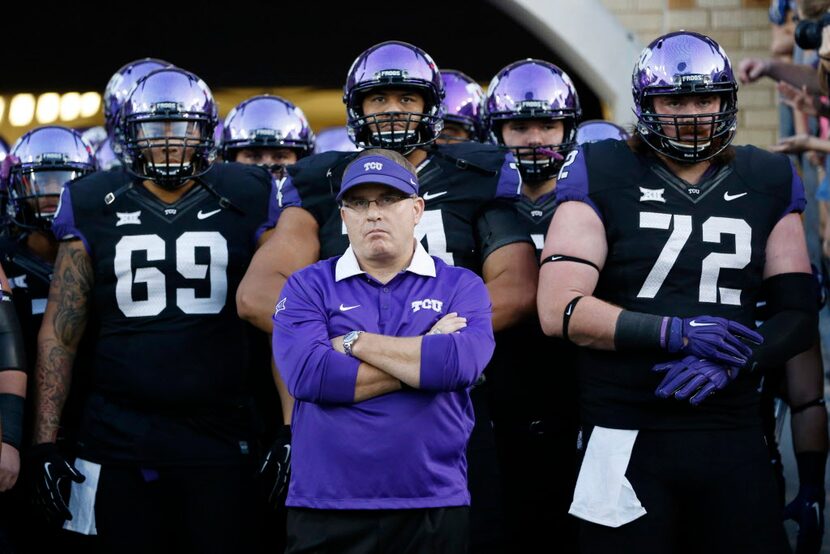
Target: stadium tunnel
[(302, 51)]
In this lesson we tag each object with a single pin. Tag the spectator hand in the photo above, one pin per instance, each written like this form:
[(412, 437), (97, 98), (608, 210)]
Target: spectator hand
[(49, 469), (752, 69), (693, 379), (275, 470), (795, 144), (807, 510), (797, 99)]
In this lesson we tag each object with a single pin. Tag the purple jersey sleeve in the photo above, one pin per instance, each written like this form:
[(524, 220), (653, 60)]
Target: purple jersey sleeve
[(313, 371), (510, 180), (798, 200), (572, 182), (63, 226), (274, 210), (454, 361), (287, 195)]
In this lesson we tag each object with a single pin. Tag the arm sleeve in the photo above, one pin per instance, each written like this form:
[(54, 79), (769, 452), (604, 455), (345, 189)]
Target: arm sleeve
[(64, 226), (273, 210), (572, 183), (792, 326), (454, 361), (499, 225), (313, 371)]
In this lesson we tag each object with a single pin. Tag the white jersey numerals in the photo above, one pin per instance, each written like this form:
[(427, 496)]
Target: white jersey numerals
[(713, 230), (154, 280)]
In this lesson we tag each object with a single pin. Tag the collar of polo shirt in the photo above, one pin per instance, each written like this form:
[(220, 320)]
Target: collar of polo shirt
[(421, 264)]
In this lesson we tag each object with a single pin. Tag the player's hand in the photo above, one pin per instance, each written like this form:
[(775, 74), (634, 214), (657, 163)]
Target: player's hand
[(713, 338), (752, 69), (49, 470), (693, 379), (9, 466), (450, 323), (807, 510), (275, 470)]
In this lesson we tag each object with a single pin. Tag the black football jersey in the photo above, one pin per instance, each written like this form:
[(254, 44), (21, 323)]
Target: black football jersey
[(165, 278), (536, 216), (469, 190), (678, 250)]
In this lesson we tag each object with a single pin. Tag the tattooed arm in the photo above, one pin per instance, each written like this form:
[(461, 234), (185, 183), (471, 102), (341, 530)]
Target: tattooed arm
[(62, 328)]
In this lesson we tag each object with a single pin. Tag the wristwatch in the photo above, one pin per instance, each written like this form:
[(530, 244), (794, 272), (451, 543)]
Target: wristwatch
[(348, 340)]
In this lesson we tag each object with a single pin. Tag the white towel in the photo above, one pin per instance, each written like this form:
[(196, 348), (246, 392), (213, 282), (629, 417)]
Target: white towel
[(603, 495), (82, 499)]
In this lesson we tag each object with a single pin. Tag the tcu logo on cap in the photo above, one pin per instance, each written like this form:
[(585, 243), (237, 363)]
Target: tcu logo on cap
[(427, 304), (372, 165)]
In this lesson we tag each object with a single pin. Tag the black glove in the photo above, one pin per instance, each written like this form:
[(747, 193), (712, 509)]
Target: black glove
[(49, 468), (808, 511), (275, 470)]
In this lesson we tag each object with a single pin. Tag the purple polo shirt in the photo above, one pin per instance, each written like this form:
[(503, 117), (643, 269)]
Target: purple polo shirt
[(405, 449)]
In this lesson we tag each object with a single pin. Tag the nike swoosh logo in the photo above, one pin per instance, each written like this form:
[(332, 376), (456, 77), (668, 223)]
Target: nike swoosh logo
[(818, 511), (570, 309), (694, 323), (429, 196), (347, 308), (205, 215), (728, 197)]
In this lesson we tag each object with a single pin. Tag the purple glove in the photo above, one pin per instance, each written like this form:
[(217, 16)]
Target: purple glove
[(693, 379), (713, 338)]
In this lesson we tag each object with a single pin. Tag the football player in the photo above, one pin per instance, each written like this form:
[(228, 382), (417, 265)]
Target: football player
[(39, 164), (653, 263), (533, 109), (462, 108), (595, 130), (268, 131), (153, 254), (393, 96)]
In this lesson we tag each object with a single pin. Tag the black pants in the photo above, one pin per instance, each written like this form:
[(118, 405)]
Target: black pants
[(184, 509), (709, 492), (427, 530), (538, 464)]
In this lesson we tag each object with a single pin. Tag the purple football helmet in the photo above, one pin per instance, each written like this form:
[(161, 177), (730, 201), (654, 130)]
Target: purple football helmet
[(397, 65), (685, 63), (122, 82), (167, 125), (44, 159), (463, 102), (595, 130), (334, 139), (106, 157), (533, 89), (266, 122)]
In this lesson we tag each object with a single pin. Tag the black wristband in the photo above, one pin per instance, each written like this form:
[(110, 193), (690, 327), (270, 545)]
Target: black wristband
[(637, 331), (11, 418), (811, 468)]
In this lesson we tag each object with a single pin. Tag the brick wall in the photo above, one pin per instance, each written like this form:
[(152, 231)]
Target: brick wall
[(740, 26)]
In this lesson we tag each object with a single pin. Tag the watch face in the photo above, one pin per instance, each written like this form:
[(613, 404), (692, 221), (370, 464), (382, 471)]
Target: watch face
[(350, 336)]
